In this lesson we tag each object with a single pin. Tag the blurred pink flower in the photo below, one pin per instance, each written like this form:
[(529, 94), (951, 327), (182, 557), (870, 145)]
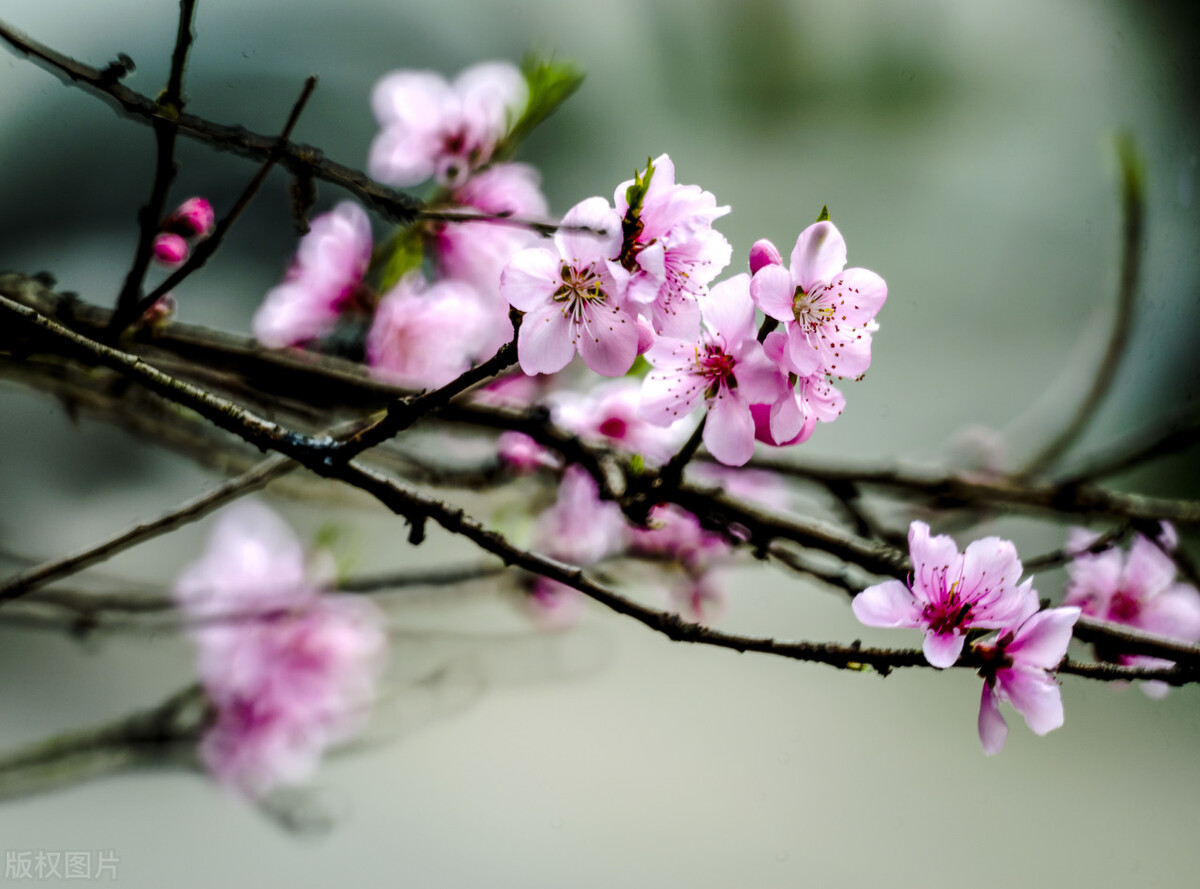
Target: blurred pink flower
[(950, 593), (477, 252), (193, 218), (323, 279), (170, 249), (434, 128), (569, 299), (725, 368), (1020, 662), (828, 313), (1139, 591), (609, 414), (423, 336), (289, 670)]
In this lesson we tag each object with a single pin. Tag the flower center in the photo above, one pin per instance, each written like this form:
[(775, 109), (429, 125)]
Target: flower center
[(715, 366), (808, 311), (579, 287), (949, 613), (1124, 608)]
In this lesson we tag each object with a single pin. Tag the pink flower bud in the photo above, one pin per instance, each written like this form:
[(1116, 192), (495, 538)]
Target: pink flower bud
[(763, 254), (195, 217), (161, 312), (170, 249)]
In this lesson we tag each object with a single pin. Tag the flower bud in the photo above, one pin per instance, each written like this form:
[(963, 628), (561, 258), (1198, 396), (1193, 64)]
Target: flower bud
[(170, 249), (195, 217), (763, 254)]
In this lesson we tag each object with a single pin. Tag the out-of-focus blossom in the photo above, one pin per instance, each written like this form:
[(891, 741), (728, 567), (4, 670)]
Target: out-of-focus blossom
[(1019, 670), (323, 280), (670, 251), (828, 312), (288, 669), (676, 536), (609, 414), (425, 336), (725, 368), (950, 593), (170, 249), (193, 218), (1139, 591), (569, 299), (522, 454), (477, 252), (430, 127), (554, 605)]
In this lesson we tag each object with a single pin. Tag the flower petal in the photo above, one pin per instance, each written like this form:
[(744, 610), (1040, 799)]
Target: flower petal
[(889, 604), (601, 242), (729, 431), (993, 730), (772, 290), (668, 395), (729, 312), (544, 343), (529, 280), (1042, 640), (1035, 695), (934, 559), (942, 650), (819, 254), (607, 339)]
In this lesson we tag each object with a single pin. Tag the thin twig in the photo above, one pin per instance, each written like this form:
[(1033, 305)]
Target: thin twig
[(1133, 212), (208, 247)]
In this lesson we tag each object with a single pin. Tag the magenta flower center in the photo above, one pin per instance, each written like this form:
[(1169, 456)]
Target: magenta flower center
[(613, 427), (715, 366), (948, 613), (1124, 608), (808, 310)]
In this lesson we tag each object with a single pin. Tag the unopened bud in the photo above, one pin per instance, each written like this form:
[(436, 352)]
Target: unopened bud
[(195, 217), (763, 254), (170, 249)]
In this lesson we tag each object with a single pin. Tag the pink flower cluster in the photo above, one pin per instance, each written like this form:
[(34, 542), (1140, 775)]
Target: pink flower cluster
[(633, 278), (951, 593), (288, 669), (1139, 591)]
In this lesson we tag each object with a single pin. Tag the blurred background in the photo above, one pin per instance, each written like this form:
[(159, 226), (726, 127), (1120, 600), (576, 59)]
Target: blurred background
[(966, 152)]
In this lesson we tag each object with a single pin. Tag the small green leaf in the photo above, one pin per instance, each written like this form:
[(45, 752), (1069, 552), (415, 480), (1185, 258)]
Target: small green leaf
[(637, 465), (398, 256), (550, 84), (824, 214)]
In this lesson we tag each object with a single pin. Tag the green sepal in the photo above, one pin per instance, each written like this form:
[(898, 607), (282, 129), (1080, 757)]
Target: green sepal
[(823, 216), (550, 84)]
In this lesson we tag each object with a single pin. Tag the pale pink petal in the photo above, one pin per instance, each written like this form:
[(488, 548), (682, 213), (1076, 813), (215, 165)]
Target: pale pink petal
[(802, 358), (888, 604), (728, 310), (413, 98), (1035, 695), (1042, 640), (993, 730), (593, 247), (1148, 569), (544, 342), (729, 430), (401, 157), (1174, 613), (942, 650), (758, 379), (859, 294), (844, 351), (820, 398), (932, 555), (819, 254), (667, 396), (677, 317), (529, 280), (772, 290), (608, 339), (787, 419), (991, 567)]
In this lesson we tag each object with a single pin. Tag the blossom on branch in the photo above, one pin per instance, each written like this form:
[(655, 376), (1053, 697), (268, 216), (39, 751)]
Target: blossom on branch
[(434, 128), (950, 593), (827, 312), (1020, 662), (569, 298), (1139, 591), (288, 669), (725, 368), (324, 279)]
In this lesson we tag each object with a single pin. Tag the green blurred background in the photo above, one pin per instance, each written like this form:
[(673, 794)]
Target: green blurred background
[(965, 150)]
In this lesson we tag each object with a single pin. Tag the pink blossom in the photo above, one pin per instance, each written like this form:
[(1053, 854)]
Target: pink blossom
[(580, 528), (434, 128), (289, 670), (569, 299), (725, 368), (762, 426), (554, 605), (323, 280), (423, 336), (1019, 666), (609, 414), (170, 249), (670, 252), (676, 535), (950, 593), (521, 453), (828, 313), (1139, 591), (478, 251)]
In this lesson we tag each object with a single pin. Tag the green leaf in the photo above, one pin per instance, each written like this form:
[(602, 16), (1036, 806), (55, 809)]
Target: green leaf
[(823, 216), (394, 259), (550, 84)]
